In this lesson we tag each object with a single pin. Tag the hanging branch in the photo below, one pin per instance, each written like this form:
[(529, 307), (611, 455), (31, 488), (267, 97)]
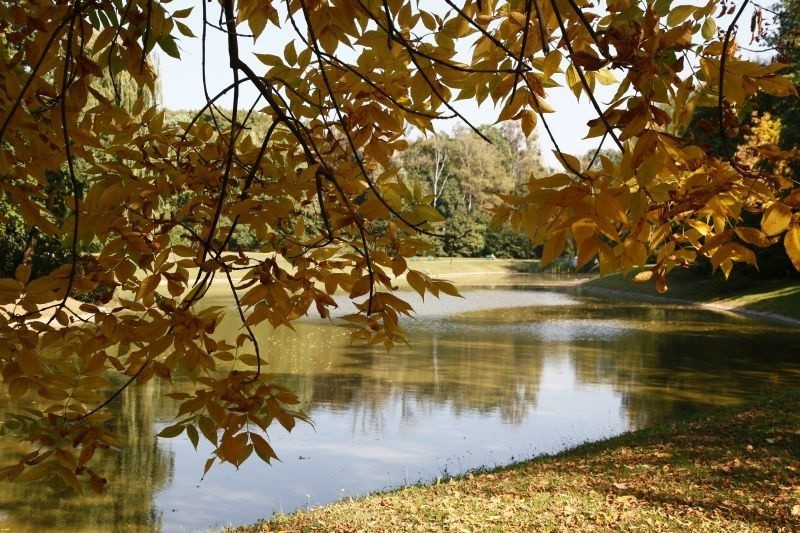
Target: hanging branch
[(76, 188), (523, 45), (584, 82), (721, 97)]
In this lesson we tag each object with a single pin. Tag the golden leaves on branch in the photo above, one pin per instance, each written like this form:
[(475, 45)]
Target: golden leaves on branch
[(310, 175)]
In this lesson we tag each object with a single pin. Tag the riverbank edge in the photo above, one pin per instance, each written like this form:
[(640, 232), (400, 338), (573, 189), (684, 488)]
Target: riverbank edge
[(588, 288), (768, 297), (725, 469)]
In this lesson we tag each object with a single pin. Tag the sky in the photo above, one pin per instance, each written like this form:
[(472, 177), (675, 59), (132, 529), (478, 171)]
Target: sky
[(182, 85)]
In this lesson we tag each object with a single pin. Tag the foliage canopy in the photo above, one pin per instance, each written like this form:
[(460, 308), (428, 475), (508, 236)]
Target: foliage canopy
[(320, 144)]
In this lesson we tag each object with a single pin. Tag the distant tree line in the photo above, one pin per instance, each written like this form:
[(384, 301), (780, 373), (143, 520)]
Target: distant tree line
[(465, 177), (460, 174)]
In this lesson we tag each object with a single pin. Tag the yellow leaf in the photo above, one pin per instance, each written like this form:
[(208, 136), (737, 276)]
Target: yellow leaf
[(209, 463), (255, 295), (18, 387), (605, 77), (69, 477), (29, 363), (569, 162), (290, 54), (37, 472), (418, 281), (360, 287), (528, 121), (583, 229), (398, 265), (10, 286), (148, 285), (447, 288), (587, 249), (753, 236), (776, 219), (644, 276), (679, 14), (709, 28), (551, 63), (553, 248), (791, 241)]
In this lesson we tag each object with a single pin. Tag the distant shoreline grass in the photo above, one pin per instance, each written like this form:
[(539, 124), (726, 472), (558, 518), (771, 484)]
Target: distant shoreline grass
[(730, 469), (769, 299)]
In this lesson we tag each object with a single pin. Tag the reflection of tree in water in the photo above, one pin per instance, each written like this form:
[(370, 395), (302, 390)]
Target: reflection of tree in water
[(468, 370), (663, 360), (135, 475), (672, 361)]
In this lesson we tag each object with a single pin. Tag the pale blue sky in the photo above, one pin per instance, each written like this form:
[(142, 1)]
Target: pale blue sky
[(181, 83)]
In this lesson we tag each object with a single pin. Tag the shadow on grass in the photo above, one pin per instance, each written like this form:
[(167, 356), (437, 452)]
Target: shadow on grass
[(736, 465)]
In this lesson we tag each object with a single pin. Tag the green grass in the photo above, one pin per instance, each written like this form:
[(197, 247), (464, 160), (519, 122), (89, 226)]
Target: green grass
[(733, 469), (769, 297)]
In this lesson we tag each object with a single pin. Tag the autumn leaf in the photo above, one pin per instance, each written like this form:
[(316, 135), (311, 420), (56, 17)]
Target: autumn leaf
[(330, 172), (791, 241), (776, 219)]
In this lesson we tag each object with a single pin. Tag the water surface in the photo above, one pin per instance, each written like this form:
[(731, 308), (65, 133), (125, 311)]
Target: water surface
[(502, 375)]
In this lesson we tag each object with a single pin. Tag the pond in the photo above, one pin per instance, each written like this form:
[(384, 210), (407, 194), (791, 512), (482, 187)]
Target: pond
[(502, 375)]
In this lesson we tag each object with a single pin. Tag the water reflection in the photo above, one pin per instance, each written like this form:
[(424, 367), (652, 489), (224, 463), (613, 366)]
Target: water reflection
[(500, 376), (129, 502)]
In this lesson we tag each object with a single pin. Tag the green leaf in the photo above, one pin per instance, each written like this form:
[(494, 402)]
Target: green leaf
[(182, 13), (194, 438), (169, 45), (679, 14), (209, 429), (262, 448), (709, 29), (171, 431)]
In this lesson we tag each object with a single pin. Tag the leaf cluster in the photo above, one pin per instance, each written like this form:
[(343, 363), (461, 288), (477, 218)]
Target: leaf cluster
[(309, 170)]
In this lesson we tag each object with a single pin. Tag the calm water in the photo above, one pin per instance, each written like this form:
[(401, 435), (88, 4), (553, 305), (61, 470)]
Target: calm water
[(499, 376)]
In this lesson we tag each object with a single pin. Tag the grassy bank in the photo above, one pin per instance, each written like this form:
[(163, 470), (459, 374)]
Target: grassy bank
[(766, 297), (733, 469)]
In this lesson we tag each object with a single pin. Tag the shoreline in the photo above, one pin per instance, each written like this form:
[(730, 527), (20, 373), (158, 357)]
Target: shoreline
[(710, 306), (726, 469)]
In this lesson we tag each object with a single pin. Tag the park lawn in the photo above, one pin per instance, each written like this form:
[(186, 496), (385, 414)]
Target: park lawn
[(731, 469), (768, 298)]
